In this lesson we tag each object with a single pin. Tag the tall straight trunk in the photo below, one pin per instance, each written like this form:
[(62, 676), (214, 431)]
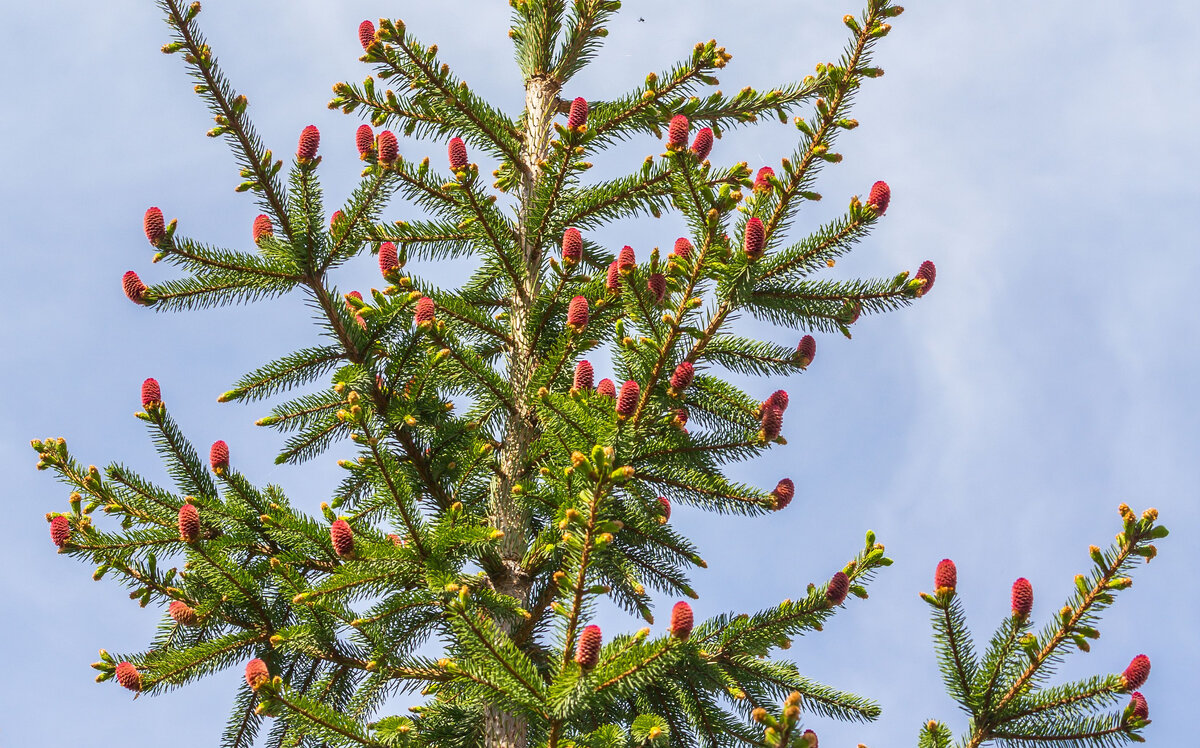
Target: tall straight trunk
[(503, 729)]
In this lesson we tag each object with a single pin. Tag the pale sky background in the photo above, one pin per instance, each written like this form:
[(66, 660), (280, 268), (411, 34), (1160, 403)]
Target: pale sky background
[(1043, 154)]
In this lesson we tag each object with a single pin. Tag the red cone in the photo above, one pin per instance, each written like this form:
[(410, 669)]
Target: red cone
[(182, 613), (683, 248), (355, 294), (257, 674), (626, 260), (389, 260), (665, 503), (155, 227), (946, 575), (128, 676), (457, 150), (756, 238), (134, 288), (784, 491), (682, 377), (1138, 706), (364, 136), (587, 651), (677, 132), (656, 284), (310, 139), (583, 375), (262, 228), (1136, 673), (778, 400), (879, 198), (150, 392), (772, 423), (577, 314), (612, 281), (606, 388), (572, 246), (628, 399), (366, 34), (218, 456), (60, 530), (189, 523), (762, 180), (681, 419), (702, 145), (681, 620), (811, 738), (335, 219), (806, 351), (342, 537), (928, 273), (425, 310), (1022, 597), (579, 113), (838, 587), (389, 149)]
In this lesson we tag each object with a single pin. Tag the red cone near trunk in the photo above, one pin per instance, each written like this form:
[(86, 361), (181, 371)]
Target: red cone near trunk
[(572, 246), (579, 113)]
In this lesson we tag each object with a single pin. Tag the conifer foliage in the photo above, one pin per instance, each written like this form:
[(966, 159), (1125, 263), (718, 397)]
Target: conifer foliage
[(492, 494)]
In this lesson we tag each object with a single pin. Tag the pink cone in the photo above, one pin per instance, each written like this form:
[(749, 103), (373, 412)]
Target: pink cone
[(784, 491), (702, 145), (189, 523), (677, 131), (579, 113), (154, 226), (583, 376), (364, 136), (150, 392), (342, 537), (60, 530), (457, 151), (366, 34), (606, 388), (681, 620), (879, 198), (628, 399), (389, 149), (572, 246), (310, 140)]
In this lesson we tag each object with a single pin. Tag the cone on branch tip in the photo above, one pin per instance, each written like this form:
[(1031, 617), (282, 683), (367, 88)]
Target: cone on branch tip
[(838, 588), (806, 351), (218, 456), (928, 273), (154, 226), (60, 530), (151, 394), (457, 152), (129, 677), (1136, 673), (1022, 598), (681, 620), (189, 523), (342, 537), (683, 248), (262, 228), (665, 504), (310, 140), (587, 650), (577, 314), (677, 132), (577, 117), (606, 388), (772, 423), (683, 375), (352, 295), (612, 280), (656, 284), (703, 143), (133, 287), (879, 198), (572, 246), (425, 310), (257, 674), (389, 259), (366, 34), (628, 399), (1138, 706), (945, 577), (755, 239), (182, 613), (364, 136), (626, 260), (583, 376), (782, 494), (777, 399), (389, 148), (762, 180)]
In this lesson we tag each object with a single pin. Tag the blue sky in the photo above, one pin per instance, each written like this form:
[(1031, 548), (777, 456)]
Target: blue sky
[(1042, 154)]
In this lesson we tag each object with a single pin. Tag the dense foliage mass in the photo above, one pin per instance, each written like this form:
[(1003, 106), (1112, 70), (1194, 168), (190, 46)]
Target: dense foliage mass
[(497, 491)]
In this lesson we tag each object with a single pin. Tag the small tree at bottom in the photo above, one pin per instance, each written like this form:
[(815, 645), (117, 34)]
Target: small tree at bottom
[(497, 530)]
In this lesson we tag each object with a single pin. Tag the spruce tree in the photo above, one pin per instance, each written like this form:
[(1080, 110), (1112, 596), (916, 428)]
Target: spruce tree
[(495, 491)]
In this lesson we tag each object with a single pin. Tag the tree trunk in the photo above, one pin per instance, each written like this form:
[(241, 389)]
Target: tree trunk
[(503, 729)]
